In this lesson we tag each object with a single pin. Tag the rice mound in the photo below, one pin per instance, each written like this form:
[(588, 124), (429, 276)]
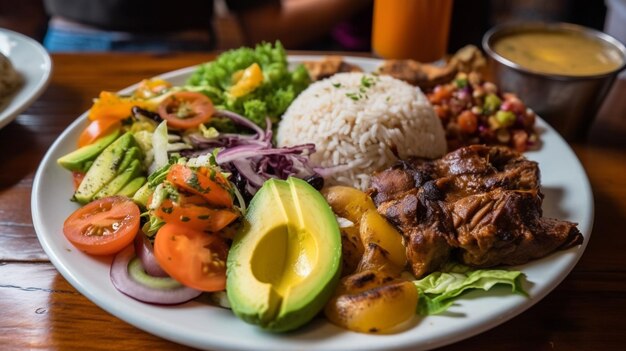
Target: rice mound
[(359, 123)]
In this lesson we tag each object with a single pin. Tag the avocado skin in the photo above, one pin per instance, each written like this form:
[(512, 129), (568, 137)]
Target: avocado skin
[(81, 159), (104, 169), (294, 319), (266, 311)]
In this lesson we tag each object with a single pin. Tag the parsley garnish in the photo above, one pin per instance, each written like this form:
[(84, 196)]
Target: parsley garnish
[(195, 184), (353, 96), (366, 83)]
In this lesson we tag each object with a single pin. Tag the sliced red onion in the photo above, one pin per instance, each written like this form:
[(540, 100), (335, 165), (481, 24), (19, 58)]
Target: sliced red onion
[(241, 120), (247, 151), (252, 158), (145, 252), (245, 169), (124, 282)]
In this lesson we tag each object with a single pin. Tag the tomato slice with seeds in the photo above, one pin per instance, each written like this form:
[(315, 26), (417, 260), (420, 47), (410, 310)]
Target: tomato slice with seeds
[(194, 216), (211, 186), (186, 109), (195, 259), (104, 226)]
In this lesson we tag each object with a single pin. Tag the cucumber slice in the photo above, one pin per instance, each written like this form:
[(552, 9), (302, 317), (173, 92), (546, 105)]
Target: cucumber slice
[(138, 274)]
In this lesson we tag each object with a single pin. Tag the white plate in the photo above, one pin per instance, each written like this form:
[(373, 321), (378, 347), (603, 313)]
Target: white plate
[(568, 196), (33, 63)]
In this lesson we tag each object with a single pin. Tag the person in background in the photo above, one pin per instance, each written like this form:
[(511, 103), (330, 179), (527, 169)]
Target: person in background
[(25, 16), (159, 25)]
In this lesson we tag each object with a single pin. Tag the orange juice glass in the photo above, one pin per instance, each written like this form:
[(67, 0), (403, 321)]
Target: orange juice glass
[(411, 29)]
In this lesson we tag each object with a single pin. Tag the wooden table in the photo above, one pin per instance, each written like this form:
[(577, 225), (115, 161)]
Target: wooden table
[(39, 309)]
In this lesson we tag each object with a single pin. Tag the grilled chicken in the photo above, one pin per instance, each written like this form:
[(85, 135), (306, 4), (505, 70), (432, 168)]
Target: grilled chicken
[(479, 205)]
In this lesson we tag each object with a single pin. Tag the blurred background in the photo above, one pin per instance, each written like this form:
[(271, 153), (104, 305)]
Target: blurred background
[(343, 25)]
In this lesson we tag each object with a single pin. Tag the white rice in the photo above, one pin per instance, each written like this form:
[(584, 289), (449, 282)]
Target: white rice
[(360, 126)]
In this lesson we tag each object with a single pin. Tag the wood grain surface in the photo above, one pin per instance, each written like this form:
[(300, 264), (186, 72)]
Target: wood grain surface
[(40, 310)]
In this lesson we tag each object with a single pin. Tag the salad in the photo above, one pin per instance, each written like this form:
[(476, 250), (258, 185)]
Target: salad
[(166, 178)]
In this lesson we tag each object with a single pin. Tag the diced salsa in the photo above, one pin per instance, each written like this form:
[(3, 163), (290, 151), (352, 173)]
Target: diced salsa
[(474, 111)]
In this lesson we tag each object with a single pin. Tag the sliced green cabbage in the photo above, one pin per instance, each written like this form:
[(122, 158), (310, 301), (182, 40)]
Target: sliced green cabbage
[(159, 147)]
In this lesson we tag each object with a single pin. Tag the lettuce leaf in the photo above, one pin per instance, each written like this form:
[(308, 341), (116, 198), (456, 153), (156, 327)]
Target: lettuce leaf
[(439, 290), (279, 88)]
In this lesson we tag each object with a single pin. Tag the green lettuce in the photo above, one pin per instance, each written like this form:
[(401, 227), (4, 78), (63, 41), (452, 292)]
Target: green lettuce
[(438, 290), (279, 88)]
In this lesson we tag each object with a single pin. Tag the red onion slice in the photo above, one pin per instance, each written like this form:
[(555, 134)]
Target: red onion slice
[(145, 252), (242, 121), (122, 280)]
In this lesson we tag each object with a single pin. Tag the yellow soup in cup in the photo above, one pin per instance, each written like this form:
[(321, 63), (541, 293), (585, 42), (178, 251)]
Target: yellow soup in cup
[(558, 52)]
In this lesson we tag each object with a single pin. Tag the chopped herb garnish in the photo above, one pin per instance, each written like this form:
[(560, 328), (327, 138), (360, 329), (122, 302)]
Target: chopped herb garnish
[(367, 81), (337, 85), (184, 219), (167, 209), (195, 184), (353, 96)]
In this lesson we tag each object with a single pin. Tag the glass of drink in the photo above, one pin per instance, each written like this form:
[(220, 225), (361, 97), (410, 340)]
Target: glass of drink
[(411, 29)]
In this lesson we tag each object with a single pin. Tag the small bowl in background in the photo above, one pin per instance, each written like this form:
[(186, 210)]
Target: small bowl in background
[(568, 103)]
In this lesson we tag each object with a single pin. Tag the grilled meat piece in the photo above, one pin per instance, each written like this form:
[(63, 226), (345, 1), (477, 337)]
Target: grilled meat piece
[(329, 66), (480, 205), (425, 76)]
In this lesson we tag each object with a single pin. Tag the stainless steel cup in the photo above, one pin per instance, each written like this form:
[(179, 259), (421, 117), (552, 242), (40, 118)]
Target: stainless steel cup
[(567, 103)]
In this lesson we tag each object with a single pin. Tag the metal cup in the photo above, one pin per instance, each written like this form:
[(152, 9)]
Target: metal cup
[(567, 103)]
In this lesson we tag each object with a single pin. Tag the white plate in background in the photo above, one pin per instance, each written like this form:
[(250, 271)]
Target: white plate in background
[(33, 63)]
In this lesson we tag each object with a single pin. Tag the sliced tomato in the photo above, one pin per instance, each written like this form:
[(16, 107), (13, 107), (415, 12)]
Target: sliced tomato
[(197, 217), (194, 258), (104, 226), (210, 185), (186, 109), (97, 129), (193, 199), (77, 178)]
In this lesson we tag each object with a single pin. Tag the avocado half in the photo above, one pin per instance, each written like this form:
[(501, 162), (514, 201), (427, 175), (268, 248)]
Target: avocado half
[(285, 262)]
